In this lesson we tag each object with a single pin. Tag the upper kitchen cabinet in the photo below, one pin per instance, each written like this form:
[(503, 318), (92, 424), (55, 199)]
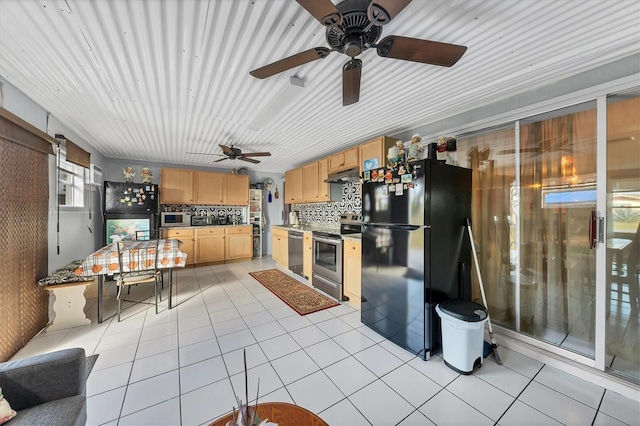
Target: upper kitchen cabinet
[(176, 186), (310, 182), (324, 193), (343, 160), (208, 188), (293, 186), (236, 190), (376, 148), (180, 186)]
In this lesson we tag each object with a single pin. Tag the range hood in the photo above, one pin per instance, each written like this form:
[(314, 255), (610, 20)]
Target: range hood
[(344, 176)]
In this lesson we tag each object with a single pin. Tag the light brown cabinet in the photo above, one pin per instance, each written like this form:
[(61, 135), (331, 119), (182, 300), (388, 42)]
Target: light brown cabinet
[(214, 244), (293, 186), (236, 190), (352, 269), (187, 238), (208, 188), (210, 245), (238, 243), (176, 186), (376, 148), (307, 255), (310, 183), (324, 193), (343, 160), (280, 247), (180, 186)]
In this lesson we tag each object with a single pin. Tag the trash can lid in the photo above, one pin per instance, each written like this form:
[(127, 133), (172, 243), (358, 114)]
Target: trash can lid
[(464, 310)]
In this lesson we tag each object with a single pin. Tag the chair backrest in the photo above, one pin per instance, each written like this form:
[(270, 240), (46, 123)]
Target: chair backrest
[(134, 257)]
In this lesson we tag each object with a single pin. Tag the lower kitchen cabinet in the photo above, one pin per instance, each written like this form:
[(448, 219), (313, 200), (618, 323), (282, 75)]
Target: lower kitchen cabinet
[(238, 243), (307, 256), (210, 243), (214, 244), (187, 237), (280, 247), (352, 268)]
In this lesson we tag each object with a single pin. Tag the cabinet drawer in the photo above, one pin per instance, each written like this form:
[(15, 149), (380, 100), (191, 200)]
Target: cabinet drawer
[(209, 231), (352, 247), (176, 233), (279, 232), (244, 230)]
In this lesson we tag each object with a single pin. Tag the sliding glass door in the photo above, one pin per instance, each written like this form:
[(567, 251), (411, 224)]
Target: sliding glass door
[(536, 198)]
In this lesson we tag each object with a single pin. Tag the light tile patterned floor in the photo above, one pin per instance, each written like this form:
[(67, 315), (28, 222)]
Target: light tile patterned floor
[(184, 366)]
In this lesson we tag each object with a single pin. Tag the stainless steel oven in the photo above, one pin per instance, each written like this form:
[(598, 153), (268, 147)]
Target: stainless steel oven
[(327, 264)]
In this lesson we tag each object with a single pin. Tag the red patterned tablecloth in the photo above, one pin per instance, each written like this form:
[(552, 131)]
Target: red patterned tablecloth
[(136, 256)]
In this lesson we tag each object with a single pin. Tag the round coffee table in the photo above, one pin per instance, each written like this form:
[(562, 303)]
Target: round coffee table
[(282, 413)]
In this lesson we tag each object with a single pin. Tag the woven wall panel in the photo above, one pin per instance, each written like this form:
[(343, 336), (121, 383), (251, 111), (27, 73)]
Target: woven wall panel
[(24, 203)]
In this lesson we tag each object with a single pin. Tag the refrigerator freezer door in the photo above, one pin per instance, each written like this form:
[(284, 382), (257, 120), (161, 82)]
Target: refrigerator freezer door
[(130, 198)]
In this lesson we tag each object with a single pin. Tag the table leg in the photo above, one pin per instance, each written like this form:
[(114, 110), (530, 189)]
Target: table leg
[(100, 285), (170, 286)]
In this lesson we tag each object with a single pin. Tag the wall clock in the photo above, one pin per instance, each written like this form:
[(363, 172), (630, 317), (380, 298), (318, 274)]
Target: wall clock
[(268, 184)]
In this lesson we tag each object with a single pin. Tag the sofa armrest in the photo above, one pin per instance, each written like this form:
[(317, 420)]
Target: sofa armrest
[(41, 378)]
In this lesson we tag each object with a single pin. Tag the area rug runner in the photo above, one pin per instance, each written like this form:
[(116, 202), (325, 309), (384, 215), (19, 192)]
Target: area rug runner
[(302, 298)]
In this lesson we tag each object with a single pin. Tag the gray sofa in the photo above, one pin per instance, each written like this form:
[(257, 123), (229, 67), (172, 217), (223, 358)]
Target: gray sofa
[(47, 389)]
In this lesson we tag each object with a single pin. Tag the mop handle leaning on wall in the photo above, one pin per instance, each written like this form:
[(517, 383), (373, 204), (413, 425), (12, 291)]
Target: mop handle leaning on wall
[(494, 345)]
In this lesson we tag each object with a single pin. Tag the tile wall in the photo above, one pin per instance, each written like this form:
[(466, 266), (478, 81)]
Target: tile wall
[(239, 212), (329, 213)]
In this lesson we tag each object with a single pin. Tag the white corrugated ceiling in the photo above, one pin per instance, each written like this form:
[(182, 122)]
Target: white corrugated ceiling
[(152, 80)]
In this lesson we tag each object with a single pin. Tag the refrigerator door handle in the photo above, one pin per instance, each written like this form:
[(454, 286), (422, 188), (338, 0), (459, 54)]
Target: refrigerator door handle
[(395, 226)]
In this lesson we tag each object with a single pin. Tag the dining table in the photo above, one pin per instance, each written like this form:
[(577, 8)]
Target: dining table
[(137, 256)]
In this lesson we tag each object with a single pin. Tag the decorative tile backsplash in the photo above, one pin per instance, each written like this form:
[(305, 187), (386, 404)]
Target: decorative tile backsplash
[(240, 213), (329, 213)]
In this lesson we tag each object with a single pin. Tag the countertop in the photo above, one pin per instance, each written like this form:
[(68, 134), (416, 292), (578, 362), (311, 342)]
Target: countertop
[(311, 228), (203, 226)]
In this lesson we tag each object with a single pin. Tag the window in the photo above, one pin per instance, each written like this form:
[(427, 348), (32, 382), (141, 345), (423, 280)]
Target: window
[(70, 182)]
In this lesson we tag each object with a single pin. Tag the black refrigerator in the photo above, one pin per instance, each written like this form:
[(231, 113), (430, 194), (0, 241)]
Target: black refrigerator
[(415, 251), (130, 211)]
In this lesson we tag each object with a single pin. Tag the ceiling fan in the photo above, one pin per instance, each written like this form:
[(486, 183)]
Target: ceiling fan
[(231, 153), (354, 26)]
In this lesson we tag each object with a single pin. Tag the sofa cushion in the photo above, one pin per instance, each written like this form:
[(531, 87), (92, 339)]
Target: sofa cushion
[(65, 411)]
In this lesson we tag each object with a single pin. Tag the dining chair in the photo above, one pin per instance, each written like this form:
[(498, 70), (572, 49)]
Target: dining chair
[(149, 274)]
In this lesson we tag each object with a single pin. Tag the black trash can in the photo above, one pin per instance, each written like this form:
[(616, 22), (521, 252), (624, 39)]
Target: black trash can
[(462, 334)]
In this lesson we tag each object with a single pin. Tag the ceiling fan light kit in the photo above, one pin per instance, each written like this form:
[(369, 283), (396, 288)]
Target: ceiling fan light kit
[(354, 26)]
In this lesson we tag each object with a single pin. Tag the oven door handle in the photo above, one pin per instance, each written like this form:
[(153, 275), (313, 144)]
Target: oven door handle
[(395, 226), (328, 240)]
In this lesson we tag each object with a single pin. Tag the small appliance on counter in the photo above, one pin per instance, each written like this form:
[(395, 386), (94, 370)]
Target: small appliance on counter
[(175, 219), (202, 221)]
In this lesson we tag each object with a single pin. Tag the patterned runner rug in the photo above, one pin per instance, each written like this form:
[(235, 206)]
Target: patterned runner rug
[(302, 298)]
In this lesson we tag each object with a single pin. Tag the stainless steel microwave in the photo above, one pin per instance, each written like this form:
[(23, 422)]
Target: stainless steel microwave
[(175, 219)]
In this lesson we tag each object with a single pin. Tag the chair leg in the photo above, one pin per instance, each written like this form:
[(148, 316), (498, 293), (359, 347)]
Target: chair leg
[(119, 301)]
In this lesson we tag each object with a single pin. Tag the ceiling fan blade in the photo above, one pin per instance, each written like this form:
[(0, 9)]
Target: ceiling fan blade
[(351, 73), (226, 150), (417, 50), (381, 12), (323, 10), (250, 160), (222, 159), (256, 154), (291, 62)]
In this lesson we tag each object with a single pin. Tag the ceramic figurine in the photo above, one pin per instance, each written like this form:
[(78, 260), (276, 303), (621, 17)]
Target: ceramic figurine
[(146, 175), (128, 174), (415, 148)]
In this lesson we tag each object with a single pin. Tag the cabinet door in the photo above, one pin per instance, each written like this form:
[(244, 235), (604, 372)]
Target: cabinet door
[(293, 187), (307, 256), (350, 158), (336, 161), (236, 190), (208, 187), (352, 268), (370, 150), (238, 244), (176, 186), (186, 236), (280, 247), (310, 183), (324, 193), (210, 248)]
